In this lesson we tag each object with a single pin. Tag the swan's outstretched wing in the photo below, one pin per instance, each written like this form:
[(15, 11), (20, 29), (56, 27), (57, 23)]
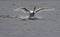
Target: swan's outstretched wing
[(37, 10), (23, 10), (44, 9)]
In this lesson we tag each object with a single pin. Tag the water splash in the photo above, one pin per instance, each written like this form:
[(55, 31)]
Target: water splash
[(21, 17)]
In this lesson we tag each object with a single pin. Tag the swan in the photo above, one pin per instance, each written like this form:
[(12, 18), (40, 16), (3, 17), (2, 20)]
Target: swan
[(31, 12)]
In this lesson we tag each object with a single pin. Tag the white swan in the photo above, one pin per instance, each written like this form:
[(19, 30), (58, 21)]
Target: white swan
[(32, 12)]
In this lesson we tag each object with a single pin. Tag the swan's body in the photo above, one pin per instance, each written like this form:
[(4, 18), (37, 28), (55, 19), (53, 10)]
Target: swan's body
[(32, 13)]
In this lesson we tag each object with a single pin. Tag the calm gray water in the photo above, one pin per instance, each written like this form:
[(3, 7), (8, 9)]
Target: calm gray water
[(49, 26)]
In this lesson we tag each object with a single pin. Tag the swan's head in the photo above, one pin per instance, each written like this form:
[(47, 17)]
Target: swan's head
[(31, 11)]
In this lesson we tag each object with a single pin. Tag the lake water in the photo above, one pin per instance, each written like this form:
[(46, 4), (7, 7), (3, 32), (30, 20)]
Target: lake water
[(48, 26)]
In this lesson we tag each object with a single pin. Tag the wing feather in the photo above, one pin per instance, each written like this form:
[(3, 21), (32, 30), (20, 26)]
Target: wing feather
[(25, 10), (34, 8), (40, 9)]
